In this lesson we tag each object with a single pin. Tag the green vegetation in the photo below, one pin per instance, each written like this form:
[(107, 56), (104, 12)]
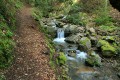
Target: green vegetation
[(6, 44), (8, 9), (78, 18), (108, 28), (7, 24), (77, 12), (61, 59)]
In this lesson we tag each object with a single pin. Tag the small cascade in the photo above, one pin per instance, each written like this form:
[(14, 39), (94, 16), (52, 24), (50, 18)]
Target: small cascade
[(81, 55), (60, 33), (60, 36)]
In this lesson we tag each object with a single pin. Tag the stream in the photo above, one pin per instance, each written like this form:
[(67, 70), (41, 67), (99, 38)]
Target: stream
[(75, 58)]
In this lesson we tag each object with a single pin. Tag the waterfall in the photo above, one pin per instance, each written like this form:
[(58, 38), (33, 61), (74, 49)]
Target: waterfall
[(60, 33), (60, 36)]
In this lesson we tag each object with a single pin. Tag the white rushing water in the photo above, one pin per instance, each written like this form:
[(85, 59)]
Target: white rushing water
[(81, 55), (60, 36)]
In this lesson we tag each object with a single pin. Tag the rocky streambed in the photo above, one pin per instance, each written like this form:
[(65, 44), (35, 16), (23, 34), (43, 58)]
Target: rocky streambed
[(92, 52)]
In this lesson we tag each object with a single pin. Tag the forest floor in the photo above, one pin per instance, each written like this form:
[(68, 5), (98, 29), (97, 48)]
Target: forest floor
[(30, 61)]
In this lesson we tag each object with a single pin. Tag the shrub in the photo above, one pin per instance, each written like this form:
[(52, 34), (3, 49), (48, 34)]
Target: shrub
[(78, 18), (103, 19), (91, 6)]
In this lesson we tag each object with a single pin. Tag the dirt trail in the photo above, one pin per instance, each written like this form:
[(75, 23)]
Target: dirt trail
[(30, 62)]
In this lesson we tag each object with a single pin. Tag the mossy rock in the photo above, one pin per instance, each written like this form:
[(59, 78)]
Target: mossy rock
[(85, 44), (109, 38), (107, 49), (101, 43), (93, 60)]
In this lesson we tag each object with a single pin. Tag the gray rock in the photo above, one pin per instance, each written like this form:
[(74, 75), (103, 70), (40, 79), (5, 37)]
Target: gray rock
[(92, 30), (80, 29), (74, 38), (70, 28), (52, 22)]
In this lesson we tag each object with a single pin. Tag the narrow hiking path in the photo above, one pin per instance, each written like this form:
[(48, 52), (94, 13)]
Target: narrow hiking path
[(30, 62)]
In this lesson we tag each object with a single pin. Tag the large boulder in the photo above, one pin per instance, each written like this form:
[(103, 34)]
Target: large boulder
[(92, 31), (101, 43), (107, 49), (84, 44), (93, 60), (74, 38), (70, 29)]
